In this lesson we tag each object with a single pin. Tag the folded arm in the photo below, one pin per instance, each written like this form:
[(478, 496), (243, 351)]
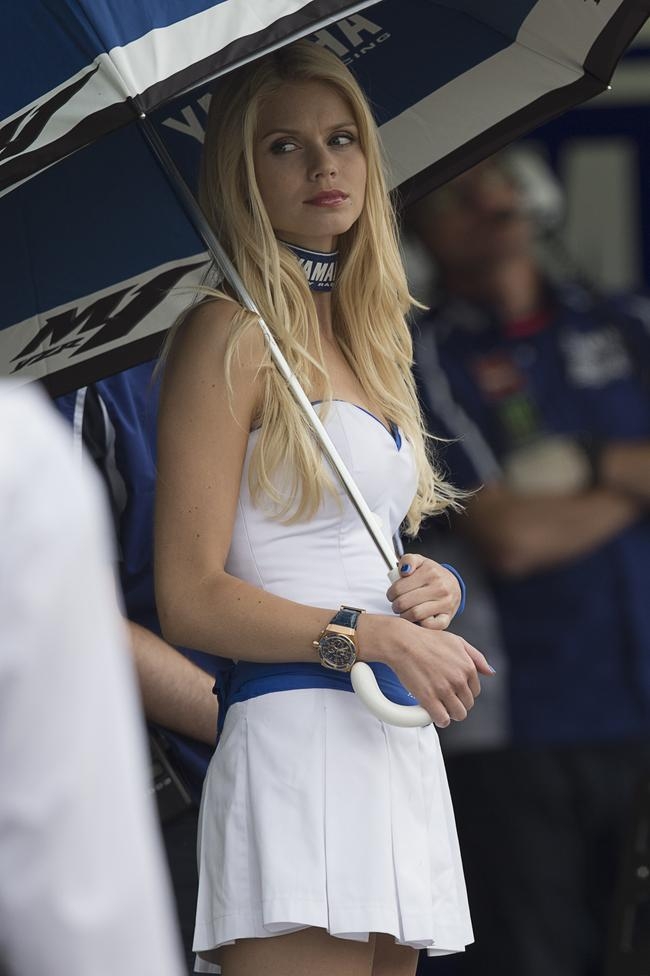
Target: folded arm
[(624, 466), (175, 692), (519, 534)]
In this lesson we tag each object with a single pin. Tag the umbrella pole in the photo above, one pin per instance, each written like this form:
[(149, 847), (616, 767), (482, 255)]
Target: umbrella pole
[(363, 678)]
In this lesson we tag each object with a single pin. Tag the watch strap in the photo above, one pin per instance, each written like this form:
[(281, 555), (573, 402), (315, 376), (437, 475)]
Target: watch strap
[(346, 617)]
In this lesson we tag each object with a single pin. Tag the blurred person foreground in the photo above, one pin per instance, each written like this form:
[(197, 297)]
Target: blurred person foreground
[(82, 884), (113, 421), (543, 387)]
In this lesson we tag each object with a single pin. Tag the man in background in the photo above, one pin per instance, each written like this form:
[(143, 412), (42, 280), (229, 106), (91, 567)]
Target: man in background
[(545, 387)]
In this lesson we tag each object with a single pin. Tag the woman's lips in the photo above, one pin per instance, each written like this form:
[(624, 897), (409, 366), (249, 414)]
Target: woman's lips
[(328, 198)]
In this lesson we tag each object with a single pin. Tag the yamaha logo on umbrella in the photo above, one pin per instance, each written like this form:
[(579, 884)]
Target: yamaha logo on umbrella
[(141, 307), (352, 37), (19, 134)]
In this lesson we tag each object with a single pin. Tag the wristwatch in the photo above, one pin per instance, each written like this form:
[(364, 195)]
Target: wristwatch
[(336, 644)]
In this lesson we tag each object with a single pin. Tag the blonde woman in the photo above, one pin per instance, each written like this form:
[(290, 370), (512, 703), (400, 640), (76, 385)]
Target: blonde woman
[(327, 841)]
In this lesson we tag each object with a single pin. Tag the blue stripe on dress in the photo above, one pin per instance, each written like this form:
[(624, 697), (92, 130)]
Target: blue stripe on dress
[(250, 679)]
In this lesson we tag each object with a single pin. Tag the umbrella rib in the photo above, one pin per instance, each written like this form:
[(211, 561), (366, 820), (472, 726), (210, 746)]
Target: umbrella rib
[(579, 71)]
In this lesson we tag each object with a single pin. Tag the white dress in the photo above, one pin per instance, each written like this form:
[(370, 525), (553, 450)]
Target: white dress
[(315, 813)]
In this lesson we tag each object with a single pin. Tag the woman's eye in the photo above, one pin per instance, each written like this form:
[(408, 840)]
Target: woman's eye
[(342, 139), (283, 146)]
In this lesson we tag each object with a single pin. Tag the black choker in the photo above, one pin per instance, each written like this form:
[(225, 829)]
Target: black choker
[(319, 267)]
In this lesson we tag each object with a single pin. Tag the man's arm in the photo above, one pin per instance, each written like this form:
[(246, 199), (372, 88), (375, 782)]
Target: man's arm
[(519, 534), (624, 466), (175, 692)]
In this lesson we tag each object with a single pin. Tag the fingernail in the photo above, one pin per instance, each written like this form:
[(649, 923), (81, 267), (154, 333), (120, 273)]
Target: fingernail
[(492, 671), (406, 568)]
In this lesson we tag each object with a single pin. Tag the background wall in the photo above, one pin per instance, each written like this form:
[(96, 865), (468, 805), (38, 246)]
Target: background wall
[(601, 153)]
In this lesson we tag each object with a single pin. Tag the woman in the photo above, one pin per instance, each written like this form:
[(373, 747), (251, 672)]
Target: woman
[(327, 840)]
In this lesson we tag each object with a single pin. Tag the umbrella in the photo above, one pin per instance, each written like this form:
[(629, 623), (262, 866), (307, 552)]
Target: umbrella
[(96, 236)]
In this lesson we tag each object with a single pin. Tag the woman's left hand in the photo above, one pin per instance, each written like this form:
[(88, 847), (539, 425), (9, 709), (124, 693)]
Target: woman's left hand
[(426, 593)]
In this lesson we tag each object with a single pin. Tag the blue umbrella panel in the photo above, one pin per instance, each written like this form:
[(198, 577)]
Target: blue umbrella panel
[(102, 260)]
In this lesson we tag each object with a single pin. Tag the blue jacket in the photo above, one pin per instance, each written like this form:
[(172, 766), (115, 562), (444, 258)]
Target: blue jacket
[(116, 419), (577, 635)]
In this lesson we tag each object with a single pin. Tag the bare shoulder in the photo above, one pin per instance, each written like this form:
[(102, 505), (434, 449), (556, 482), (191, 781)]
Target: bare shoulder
[(204, 330), (196, 363)]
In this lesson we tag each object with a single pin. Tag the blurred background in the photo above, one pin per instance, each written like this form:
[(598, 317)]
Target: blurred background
[(535, 847), (600, 155)]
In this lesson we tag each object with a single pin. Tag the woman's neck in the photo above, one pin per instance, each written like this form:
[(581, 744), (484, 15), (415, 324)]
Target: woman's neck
[(323, 304)]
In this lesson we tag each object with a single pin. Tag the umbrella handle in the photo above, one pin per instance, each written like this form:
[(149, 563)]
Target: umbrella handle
[(366, 687)]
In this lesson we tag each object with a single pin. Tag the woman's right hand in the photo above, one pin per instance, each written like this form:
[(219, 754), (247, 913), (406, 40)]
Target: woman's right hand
[(441, 670)]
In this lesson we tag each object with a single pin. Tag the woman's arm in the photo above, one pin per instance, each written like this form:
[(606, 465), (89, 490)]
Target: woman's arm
[(427, 593), (201, 449), (202, 445)]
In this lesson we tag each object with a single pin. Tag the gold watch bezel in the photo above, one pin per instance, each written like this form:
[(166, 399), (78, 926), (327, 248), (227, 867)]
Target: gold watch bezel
[(338, 630)]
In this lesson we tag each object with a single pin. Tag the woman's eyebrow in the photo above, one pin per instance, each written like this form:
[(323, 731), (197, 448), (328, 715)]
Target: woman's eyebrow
[(296, 132), (278, 132)]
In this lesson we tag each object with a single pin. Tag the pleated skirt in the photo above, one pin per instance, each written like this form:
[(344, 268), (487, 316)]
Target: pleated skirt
[(315, 813)]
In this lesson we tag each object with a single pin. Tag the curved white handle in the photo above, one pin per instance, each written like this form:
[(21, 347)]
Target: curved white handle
[(366, 687)]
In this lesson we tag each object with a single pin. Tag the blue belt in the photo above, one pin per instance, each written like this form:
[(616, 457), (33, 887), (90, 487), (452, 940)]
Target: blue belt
[(250, 679)]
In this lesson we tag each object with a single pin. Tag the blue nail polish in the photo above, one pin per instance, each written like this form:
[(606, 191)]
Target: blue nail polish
[(492, 671), (406, 568)]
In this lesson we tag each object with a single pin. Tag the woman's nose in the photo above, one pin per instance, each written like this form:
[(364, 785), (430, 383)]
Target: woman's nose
[(322, 163)]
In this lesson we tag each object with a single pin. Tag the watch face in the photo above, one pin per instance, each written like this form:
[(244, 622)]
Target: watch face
[(337, 651)]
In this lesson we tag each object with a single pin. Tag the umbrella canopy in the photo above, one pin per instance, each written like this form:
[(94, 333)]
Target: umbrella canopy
[(94, 234)]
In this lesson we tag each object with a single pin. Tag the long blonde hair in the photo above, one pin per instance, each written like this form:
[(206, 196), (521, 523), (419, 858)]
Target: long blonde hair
[(369, 303)]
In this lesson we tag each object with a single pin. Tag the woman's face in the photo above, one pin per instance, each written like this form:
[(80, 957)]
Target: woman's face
[(309, 165)]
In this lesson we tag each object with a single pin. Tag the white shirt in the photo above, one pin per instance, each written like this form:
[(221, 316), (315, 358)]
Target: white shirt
[(83, 890)]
